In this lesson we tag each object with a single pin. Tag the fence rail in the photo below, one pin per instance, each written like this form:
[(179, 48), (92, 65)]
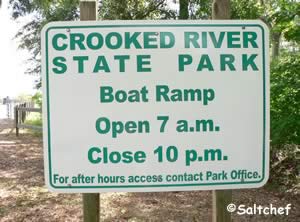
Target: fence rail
[(28, 109), (21, 111)]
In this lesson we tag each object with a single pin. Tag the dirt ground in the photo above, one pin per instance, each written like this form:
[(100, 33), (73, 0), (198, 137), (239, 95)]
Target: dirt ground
[(24, 197)]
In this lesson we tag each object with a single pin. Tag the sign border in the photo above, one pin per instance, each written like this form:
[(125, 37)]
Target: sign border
[(180, 24)]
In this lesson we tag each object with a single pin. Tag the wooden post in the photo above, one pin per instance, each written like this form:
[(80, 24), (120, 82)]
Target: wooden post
[(91, 207), (221, 198), (91, 201), (16, 120), (88, 10)]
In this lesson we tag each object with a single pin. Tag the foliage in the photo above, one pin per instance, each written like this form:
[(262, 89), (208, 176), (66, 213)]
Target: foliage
[(292, 30), (285, 168), (24, 97), (245, 9), (45, 11), (282, 17), (42, 11), (285, 102), (37, 99), (135, 9), (285, 122), (34, 119), (200, 9), (183, 9), (240, 9)]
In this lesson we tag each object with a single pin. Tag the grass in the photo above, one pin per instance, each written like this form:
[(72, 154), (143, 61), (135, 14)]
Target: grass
[(35, 122), (34, 119)]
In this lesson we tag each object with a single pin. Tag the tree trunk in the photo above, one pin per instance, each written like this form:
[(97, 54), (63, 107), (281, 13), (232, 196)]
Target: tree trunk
[(183, 9), (221, 9), (275, 44)]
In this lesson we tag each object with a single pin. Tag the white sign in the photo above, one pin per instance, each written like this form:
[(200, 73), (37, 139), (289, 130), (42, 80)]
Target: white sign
[(155, 105)]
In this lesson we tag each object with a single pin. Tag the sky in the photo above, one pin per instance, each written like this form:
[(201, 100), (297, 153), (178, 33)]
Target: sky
[(13, 80)]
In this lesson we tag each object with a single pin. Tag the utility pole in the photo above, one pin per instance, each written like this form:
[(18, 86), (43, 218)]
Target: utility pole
[(221, 198), (91, 201)]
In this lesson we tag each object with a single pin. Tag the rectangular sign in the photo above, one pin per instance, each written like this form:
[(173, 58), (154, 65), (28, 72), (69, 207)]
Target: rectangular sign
[(155, 105)]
